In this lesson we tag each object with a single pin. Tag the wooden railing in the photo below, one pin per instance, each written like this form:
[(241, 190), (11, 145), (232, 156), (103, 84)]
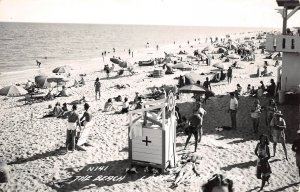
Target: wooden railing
[(283, 43)]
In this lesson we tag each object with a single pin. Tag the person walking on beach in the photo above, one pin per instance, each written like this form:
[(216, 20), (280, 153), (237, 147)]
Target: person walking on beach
[(263, 168), (206, 84), (229, 75), (278, 127), (270, 110), (97, 86), (255, 115), (195, 123), (201, 112), (233, 107), (73, 121), (38, 63), (296, 149)]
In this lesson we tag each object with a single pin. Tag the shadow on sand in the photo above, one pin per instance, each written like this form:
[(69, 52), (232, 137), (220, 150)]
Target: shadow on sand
[(98, 175)]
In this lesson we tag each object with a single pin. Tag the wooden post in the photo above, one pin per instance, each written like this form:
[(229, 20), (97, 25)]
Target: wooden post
[(284, 23)]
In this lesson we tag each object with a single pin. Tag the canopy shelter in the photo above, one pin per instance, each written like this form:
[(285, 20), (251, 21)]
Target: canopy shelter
[(12, 91), (41, 82), (120, 62)]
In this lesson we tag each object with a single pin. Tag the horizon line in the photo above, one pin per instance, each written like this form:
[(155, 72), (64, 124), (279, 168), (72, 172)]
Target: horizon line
[(135, 24)]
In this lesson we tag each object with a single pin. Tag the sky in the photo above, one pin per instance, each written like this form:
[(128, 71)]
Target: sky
[(239, 13)]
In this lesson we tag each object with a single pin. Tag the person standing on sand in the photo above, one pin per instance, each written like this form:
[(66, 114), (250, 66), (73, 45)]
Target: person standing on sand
[(296, 149), (193, 129), (263, 168), (278, 127), (201, 112), (97, 86), (233, 107), (38, 63), (255, 115), (73, 121), (229, 75)]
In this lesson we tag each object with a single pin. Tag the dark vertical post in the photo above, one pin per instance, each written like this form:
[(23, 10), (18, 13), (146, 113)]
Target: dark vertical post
[(284, 24)]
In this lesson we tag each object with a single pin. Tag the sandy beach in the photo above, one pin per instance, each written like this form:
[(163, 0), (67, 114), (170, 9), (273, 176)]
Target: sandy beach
[(33, 146)]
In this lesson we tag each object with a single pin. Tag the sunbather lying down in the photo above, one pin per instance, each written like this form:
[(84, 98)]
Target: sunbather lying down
[(187, 171), (80, 101)]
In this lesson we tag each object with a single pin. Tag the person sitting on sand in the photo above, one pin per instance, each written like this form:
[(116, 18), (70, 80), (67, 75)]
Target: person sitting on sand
[(50, 95), (265, 71), (118, 98), (248, 89), (139, 103), (82, 81), (62, 93), (108, 106), (76, 84), (263, 168), (73, 122), (82, 100), (190, 167), (135, 100), (218, 184), (55, 112), (86, 117), (64, 112), (125, 106)]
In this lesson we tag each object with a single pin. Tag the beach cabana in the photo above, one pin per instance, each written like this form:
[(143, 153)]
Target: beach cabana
[(183, 66), (12, 91), (57, 80), (41, 82)]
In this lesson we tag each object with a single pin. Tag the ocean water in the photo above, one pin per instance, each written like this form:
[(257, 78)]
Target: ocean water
[(22, 43)]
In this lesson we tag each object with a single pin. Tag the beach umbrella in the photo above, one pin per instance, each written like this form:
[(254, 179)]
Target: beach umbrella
[(61, 69), (192, 89), (222, 65), (182, 66), (12, 91), (41, 82), (233, 56)]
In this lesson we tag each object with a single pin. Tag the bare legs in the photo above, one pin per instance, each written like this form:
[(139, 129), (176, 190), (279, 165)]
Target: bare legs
[(284, 149)]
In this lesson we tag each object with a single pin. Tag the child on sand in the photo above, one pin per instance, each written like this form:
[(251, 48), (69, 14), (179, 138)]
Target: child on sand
[(263, 169)]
